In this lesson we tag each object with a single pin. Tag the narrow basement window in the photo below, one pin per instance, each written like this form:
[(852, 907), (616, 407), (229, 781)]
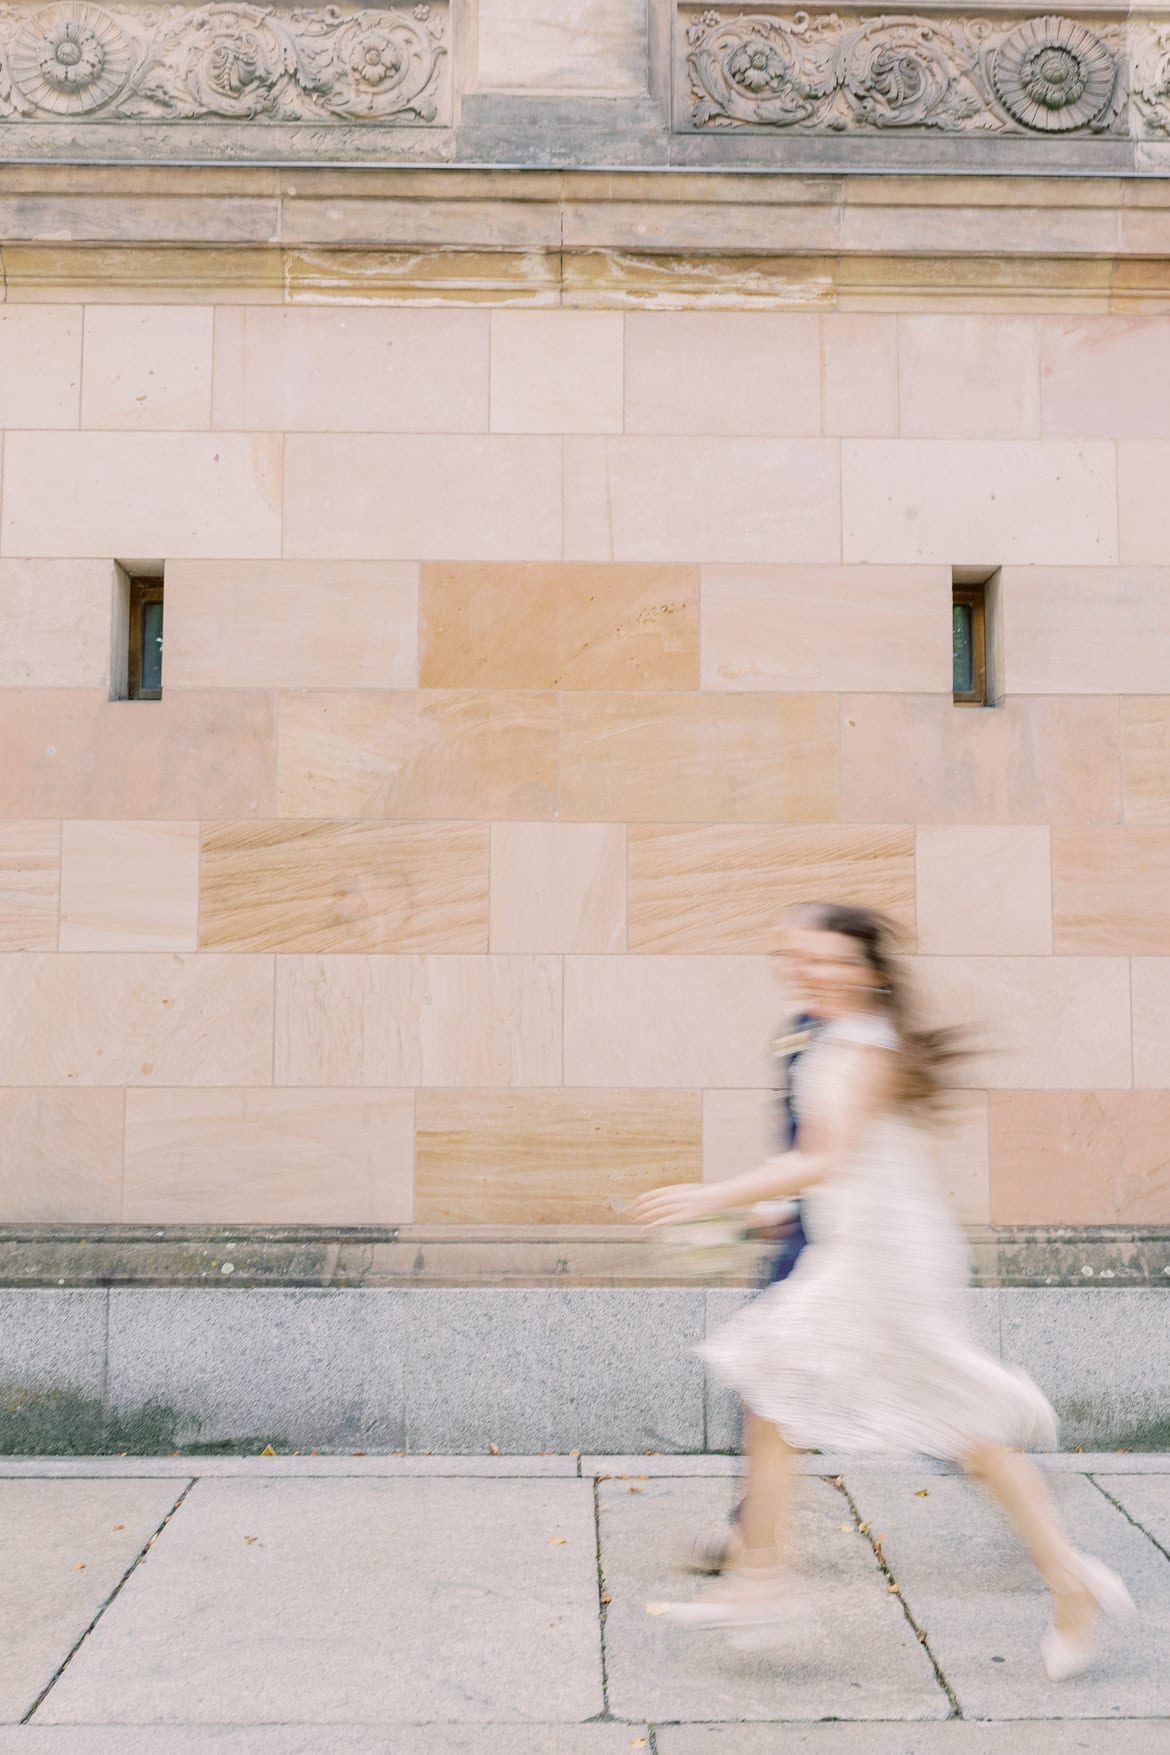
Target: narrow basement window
[(138, 633), (969, 644)]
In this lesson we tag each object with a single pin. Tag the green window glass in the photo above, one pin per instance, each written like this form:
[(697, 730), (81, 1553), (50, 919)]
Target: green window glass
[(962, 649), (152, 629)]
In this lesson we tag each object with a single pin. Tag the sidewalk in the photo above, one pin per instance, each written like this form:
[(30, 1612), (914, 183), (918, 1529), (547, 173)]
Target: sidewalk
[(494, 1606)]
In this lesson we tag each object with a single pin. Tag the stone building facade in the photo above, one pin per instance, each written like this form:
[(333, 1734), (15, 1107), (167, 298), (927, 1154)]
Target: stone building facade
[(561, 436)]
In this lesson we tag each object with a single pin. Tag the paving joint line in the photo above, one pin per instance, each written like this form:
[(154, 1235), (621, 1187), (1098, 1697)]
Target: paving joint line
[(920, 1633), (601, 1600), (103, 1606), (1116, 1503)]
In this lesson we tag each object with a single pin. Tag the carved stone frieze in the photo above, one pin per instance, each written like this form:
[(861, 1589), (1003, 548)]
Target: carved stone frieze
[(829, 72), (224, 61)]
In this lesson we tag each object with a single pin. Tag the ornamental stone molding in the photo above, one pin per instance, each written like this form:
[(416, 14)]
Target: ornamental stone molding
[(81, 62)]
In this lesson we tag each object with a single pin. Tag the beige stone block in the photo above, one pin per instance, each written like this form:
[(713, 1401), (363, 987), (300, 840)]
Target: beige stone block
[(94, 1019), (689, 276), (1086, 630), (549, 1157), (292, 624), (543, 625), (1079, 1157), (158, 496), (740, 1130), (55, 624), (702, 499), (699, 758), (341, 370), (1140, 286), (985, 889), (265, 1157), (859, 374), (435, 1020), (1107, 375), (147, 367), (440, 754), (1035, 759), (556, 371), (1002, 281), (814, 628), (129, 886), (76, 753), (558, 887), (40, 365), (975, 502), (344, 887), (755, 373), (1111, 889), (368, 497), (1145, 758), (725, 887), (1033, 1023), (1151, 1021), (431, 277), (125, 274), (687, 1022), (60, 1157), (593, 46), (969, 377), (30, 856), (1143, 476)]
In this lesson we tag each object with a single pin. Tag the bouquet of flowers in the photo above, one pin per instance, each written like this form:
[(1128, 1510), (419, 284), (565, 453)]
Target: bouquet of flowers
[(720, 1245)]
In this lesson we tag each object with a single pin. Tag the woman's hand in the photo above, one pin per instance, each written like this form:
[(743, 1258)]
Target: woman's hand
[(677, 1203)]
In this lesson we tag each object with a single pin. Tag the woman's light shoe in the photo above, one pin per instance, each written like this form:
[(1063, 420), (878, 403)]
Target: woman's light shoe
[(1069, 1654), (708, 1553), (755, 1609)]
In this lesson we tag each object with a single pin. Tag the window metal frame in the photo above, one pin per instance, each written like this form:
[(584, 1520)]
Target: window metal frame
[(142, 592)]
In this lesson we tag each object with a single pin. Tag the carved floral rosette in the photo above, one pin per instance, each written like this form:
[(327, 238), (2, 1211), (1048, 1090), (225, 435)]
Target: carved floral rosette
[(824, 71), (222, 61)]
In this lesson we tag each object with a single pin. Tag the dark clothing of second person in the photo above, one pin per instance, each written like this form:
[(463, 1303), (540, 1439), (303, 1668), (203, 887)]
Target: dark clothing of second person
[(794, 1240)]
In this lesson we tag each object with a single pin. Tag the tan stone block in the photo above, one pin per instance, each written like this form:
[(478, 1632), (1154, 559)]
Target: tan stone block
[(1111, 889), (94, 1019), (1151, 1021), (1143, 475), (142, 495), (556, 371), (127, 274), (1086, 630), (978, 502), (418, 1020), (982, 890), (550, 1157), (1107, 376), (368, 497), (722, 887), (129, 886), (962, 1156), (55, 624), (1035, 759), (442, 754), (597, 46), (76, 753), (1140, 286), (292, 624), (544, 625), (751, 372), (1033, 1023), (740, 1130), (1145, 758), (60, 1157), (351, 371), (859, 374), (344, 887), (40, 365), (1079, 1158), (670, 1021), (817, 628), (265, 1157), (690, 277), (558, 887), (147, 367), (702, 499), (969, 377), (431, 277), (699, 758), (30, 856)]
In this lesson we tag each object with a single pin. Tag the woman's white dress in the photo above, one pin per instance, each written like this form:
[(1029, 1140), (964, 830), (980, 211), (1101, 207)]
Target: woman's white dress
[(864, 1348)]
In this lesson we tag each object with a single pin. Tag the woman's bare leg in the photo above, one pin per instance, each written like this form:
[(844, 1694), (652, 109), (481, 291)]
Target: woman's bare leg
[(766, 1512), (1020, 1489)]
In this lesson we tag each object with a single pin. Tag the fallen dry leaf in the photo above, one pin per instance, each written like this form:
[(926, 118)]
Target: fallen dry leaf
[(119, 1526), (268, 1451), (603, 1477), (251, 1538), (605, 1597), (845, 1528), (864, 1528), (80, 1567), (634, 1489), (922, 1638), (556, 1541), (639, 1742), (357, 1453), (574, 1453), (922, 1493), (494, 1449), (895, 1591), (838, 1480)]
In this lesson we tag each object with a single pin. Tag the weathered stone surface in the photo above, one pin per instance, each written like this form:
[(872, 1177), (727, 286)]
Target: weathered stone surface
[(52, 1369), (1102, 1357)]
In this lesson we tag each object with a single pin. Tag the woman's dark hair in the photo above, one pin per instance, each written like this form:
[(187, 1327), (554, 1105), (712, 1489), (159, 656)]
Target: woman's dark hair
[(925, 1052)]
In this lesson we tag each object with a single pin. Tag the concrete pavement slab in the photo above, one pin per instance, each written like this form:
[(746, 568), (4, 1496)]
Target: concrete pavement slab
[(268, 1468), (970, 1586), (1083, 1738), (64, 1548), (399, 1601), (857, 1658), (341, 1739), (1145, 1499)]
